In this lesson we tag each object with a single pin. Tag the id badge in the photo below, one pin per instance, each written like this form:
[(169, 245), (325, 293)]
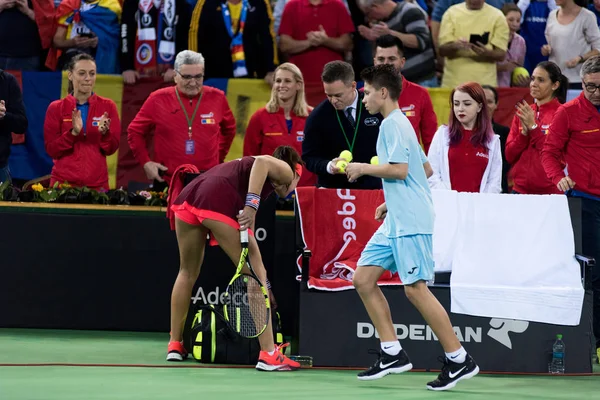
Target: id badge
[(189, 147)]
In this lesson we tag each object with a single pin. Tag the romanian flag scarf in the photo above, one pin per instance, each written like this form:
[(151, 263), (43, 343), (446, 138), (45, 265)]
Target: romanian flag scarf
[(237, 43)]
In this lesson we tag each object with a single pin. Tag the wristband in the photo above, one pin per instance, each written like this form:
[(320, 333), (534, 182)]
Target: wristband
[(268, 282), (252, 200)]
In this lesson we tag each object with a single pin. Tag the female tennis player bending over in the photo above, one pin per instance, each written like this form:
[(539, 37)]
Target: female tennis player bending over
[(210, 205)]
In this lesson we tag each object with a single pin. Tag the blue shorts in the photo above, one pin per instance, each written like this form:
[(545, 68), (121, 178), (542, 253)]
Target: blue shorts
[(410, 256)]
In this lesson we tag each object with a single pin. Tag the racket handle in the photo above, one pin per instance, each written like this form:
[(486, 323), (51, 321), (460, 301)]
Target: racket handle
[(244, 234)]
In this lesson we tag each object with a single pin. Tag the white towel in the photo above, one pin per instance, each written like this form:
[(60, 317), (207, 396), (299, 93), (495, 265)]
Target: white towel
[(515, 259), (445, 230)]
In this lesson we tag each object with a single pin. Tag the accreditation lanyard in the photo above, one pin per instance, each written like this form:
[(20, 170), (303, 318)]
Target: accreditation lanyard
[(337, 114), (190, 148)]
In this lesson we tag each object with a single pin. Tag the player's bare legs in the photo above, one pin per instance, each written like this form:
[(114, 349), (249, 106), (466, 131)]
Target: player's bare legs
[(365, 281), (436, 316)]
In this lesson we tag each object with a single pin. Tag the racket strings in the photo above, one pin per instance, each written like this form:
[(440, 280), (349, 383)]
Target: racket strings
[(246, 309)]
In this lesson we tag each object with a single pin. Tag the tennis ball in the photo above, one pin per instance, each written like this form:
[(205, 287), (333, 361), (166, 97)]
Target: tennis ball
[(375, 160), (346, 155), (341, 165), (517, 73)]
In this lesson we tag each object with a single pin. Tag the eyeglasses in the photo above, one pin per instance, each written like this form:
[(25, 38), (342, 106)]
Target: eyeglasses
[(198, 77), (590, 87)]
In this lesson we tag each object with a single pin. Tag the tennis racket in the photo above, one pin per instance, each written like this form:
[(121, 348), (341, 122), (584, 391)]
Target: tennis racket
[(247, 306)]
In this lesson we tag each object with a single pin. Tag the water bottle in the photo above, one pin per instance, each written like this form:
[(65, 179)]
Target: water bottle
[(557, 365)]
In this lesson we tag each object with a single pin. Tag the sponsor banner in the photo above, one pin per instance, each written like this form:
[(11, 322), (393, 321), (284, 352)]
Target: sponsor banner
[(496, 344)]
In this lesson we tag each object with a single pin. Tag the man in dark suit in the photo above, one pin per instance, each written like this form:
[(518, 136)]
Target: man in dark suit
[(337, 124)]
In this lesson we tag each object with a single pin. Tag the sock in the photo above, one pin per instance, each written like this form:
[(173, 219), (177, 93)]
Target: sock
[(271, 352), (459, 356), (391, 348)]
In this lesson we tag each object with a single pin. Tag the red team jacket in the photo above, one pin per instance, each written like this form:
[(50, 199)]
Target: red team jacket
[(81, 160), (575, 138), (266, 131), (213, 129), (415, 104), (524, 153)]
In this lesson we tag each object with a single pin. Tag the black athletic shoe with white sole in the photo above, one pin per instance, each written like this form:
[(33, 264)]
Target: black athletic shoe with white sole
[(386, 364), (453, 372)]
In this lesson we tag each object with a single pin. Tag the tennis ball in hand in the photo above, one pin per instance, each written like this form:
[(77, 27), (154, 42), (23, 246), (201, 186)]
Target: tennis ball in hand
[(346, 155), (517, 73), (375, 160), (341, 165)]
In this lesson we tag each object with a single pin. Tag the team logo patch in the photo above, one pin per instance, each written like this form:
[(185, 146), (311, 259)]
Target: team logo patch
[(144, 54), (371, 121), (209, 115), (207, 121), (409, 113), (299, 138), (408, 108), (300, 133)]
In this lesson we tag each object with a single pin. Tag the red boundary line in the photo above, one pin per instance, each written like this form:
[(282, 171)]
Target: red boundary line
[(250, 366)]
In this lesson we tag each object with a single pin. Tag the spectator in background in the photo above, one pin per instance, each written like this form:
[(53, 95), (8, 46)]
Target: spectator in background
[(87, 26), (573, 37), (313, 33), (337, 124), (414, 102), (144, 50), (236, 36), (533, 25), (81, 129), (282, 121), (440, 8), (12, 119), (465, 154), (20, 43), (515, 55), (407, 22), (594, 7), (574, 138), (278, 13), (192, 123), (529, 130), (491, 99), (473, 38)]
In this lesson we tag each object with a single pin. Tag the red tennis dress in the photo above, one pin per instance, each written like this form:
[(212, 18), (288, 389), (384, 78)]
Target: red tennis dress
[(218, 194)]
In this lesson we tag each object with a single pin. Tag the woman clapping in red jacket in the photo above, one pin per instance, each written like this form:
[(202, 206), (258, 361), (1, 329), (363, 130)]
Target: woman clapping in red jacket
[(529, 128), (81, 129)]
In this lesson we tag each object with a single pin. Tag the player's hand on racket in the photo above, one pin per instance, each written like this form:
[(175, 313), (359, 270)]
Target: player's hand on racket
[(380, 212), (246, 218), (355, 171)]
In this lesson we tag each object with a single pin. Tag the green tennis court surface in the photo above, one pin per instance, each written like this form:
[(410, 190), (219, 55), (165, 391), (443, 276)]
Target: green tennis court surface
[(133, 368)]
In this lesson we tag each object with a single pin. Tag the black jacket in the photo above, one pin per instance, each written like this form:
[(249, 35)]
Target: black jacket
[(15, 120), (324, 141), (503, 132), (209, 36)]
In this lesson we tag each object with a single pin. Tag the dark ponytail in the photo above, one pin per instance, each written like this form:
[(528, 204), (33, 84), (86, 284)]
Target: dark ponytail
[(289, 155), (71, 66), (556, 75)]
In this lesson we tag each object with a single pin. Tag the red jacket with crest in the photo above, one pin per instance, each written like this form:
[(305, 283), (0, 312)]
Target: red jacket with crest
[(81, 160)]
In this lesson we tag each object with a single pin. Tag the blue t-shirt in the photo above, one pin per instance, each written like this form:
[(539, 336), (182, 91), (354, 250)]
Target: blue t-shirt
[(84, 108), (409, 202), (533, 31)]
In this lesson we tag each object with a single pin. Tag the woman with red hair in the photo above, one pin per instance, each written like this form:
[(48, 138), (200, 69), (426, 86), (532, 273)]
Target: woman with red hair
[(465, 154)]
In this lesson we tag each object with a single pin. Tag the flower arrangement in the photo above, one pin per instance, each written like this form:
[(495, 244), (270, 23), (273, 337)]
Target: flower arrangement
[(66, 193)]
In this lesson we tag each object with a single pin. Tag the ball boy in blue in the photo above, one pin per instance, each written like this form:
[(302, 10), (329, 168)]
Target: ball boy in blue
[(403, 243)]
